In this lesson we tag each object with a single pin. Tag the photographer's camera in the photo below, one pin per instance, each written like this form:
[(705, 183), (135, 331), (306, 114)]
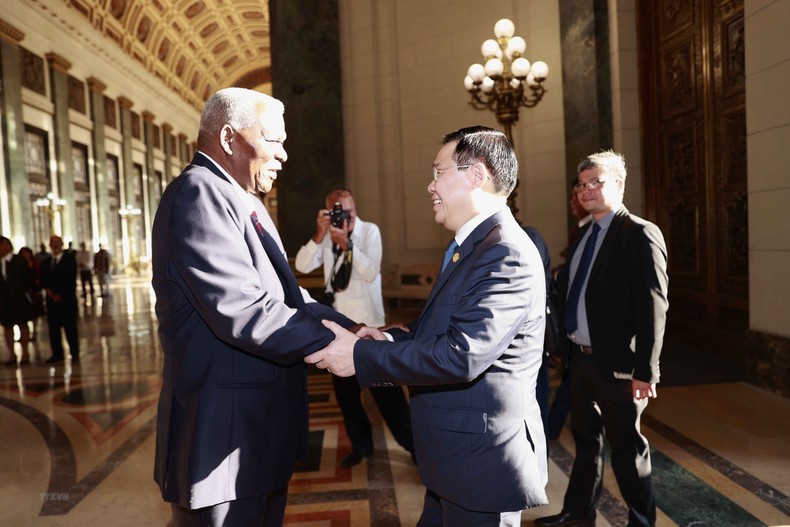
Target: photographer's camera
[(337, 215)]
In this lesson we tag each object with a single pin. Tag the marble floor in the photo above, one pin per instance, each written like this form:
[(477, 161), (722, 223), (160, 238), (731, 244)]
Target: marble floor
[(78, 441)]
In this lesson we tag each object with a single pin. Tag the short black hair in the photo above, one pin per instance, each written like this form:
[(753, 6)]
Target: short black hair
[(490, 147)]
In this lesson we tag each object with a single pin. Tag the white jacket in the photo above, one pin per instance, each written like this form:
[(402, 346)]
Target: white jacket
[(361, 301)]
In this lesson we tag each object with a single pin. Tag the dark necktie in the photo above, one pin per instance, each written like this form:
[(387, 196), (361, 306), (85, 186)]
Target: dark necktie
[(449, 254), (572, 307), (293, 295)]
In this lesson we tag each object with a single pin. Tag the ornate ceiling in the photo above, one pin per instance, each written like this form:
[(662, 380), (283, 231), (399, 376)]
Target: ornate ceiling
[(194, 46)]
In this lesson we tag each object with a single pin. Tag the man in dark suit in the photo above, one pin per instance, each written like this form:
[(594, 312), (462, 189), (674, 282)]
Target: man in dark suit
[(17, 281), (472, 357), (59, 280), (615, 316), (234, 325)]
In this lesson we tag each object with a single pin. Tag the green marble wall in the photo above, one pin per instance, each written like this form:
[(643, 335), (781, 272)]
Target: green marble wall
[(586, 81), (305, 48)]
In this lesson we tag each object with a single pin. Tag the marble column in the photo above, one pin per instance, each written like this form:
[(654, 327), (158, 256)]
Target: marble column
[(127, 170), (183, 154), (96, 89), (305, 49), (59, 89), (154, 188), (586, 81), (167, 131), (15, 222)]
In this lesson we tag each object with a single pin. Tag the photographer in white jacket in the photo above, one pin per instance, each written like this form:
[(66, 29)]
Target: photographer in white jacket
[(350, 251)]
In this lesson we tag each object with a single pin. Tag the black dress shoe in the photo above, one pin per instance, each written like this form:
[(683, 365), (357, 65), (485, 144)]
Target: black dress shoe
[(354, 458), (564, 519), (53, 360)]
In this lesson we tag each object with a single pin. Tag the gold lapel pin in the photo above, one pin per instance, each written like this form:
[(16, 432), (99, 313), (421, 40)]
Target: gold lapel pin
[(456, 257)]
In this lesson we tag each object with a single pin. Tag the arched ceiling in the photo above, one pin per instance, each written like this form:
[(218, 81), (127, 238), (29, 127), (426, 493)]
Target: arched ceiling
[(194, 46)]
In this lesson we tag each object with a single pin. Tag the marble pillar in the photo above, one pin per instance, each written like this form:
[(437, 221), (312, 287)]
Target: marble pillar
[(61, 137), (127, 169), (305, 49), (167, 131), (154, 190), (15, 222), (96, 90), (586, 81)]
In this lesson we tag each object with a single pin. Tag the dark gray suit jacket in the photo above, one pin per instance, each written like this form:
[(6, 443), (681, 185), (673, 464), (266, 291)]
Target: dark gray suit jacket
[(471, 361), (626, 298), (234, 326)]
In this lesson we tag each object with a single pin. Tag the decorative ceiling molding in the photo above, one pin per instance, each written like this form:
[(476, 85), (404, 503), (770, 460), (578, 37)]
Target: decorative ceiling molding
[(195, 47)]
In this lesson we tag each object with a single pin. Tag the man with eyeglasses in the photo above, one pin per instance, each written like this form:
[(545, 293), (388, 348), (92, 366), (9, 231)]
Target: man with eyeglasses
[(472, 357), (616, 293)]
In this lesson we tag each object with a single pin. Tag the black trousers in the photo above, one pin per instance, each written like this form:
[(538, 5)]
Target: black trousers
[(601, 406), (267, 510), (392, 404), (438, 512), (63, 315), (86, 278)]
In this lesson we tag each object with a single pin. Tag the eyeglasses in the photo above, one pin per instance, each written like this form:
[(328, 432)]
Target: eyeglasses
[(438, 171), (589, 185)]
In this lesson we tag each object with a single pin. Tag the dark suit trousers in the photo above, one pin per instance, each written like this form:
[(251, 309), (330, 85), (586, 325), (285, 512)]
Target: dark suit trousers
[(438, 512), (63, 314), (600, 405), (392, 404), (267, 510)]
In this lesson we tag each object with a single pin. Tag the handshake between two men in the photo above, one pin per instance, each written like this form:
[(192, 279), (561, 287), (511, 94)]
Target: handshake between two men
[(338, 357)]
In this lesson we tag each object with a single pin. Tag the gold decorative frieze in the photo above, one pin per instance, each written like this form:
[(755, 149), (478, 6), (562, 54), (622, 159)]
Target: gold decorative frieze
[(9, 33)]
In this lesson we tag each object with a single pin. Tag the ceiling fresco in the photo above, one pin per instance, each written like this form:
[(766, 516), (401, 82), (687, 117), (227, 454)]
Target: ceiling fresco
[(194, 47)]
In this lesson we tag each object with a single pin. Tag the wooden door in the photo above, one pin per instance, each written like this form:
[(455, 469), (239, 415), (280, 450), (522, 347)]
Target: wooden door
[(692, 91)]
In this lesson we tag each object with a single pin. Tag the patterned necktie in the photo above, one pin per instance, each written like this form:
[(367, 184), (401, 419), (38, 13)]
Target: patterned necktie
[(257, 222), (449, 254), (572, 307)]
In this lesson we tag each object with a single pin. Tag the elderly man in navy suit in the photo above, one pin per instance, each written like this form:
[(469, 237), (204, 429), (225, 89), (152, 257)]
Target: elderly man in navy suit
[(472, 357), (234, 325)]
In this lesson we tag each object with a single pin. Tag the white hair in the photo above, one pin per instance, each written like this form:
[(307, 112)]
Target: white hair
[(237, 107)]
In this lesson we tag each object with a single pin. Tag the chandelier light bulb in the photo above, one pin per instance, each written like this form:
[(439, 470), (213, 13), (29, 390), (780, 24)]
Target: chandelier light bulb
[(476, 72), (490, 48), (520, 67), (488, 85), (494, 67), (540, 70), (469, 84), (531, 80), (504, 28), (515, 83), (516, 47)]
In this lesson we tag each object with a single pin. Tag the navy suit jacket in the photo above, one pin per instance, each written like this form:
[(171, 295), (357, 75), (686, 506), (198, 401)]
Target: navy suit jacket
[(626, 298), (234, 326), (471, 361)]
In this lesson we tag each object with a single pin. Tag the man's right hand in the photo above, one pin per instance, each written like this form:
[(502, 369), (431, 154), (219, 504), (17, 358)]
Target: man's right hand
[(338, 356), (321, 225)]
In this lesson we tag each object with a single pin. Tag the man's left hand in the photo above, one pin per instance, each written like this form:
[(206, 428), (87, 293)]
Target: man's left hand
[(338, 357), (643, 390)]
